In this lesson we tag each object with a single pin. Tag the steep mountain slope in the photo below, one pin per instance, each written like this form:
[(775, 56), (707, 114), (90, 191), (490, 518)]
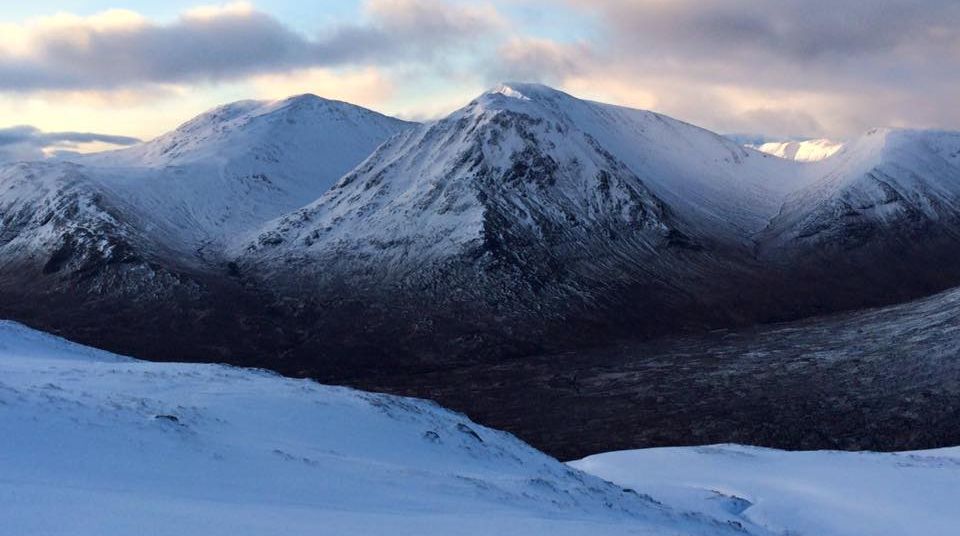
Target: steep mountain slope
[(134, 238), (583, 161), (880, 223), (527, 224), (884, 179), (531, 219), (519, 213), (440, 191), (96, 443), (880, 379), (212, 179), (237, 166), (54, 222)]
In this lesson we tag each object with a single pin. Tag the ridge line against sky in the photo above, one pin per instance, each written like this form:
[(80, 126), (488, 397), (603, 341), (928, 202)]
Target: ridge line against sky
[(790, 68)]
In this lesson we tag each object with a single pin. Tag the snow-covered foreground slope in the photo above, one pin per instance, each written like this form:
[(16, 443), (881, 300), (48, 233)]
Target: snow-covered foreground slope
[(100, 444), (94, 443), (815, 493)]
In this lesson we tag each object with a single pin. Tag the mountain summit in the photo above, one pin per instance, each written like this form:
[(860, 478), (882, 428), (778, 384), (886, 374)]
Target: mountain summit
[(138, 234), (242, 164), (519, 211)]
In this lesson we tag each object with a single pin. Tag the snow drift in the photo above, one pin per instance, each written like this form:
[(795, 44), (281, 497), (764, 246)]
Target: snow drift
[(100, 444)]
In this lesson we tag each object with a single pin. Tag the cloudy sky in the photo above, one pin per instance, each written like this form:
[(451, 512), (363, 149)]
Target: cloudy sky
[(82, 74)]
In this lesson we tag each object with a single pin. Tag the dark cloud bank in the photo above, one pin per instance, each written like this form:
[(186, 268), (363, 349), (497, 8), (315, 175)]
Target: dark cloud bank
[(234, 44), (28, 143), (855, 64)]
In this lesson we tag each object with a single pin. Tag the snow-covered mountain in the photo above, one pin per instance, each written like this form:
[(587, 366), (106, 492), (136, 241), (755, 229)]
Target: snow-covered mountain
[(55, 221), (135, 237), (801, 151), (886, 178), (523, 208), (95, 443), (507, 184), (532, 209), (237, 166), (193, 189), (222, 173), (527, 220), (541, 146), (880, 222)]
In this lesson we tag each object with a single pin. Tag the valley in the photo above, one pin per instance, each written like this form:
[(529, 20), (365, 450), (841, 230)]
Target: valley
[(884, 379), (530, 250)]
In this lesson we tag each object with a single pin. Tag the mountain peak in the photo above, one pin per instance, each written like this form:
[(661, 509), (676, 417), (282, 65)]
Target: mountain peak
[(520, 97), (525, 90), (307, 101), (305, 97)]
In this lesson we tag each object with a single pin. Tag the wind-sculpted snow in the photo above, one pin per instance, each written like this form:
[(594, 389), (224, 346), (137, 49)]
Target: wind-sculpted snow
[(825, 493), (94, 443)]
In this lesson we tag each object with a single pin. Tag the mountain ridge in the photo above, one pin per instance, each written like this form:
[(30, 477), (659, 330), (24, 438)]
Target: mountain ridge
[(527, 220)]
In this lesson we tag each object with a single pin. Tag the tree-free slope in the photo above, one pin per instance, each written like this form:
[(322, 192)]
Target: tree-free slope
[(100, 444), (827, 493)]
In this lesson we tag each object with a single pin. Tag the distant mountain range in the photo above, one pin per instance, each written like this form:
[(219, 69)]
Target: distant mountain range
[(316, 237), (812, 150)]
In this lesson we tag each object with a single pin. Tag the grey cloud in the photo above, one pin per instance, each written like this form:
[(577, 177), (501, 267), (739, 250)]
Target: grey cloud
[(28, 143), (811, 67), (232, 45), (794, 29), (800, 44), (540, 60), (829, 45), (787, 125)]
